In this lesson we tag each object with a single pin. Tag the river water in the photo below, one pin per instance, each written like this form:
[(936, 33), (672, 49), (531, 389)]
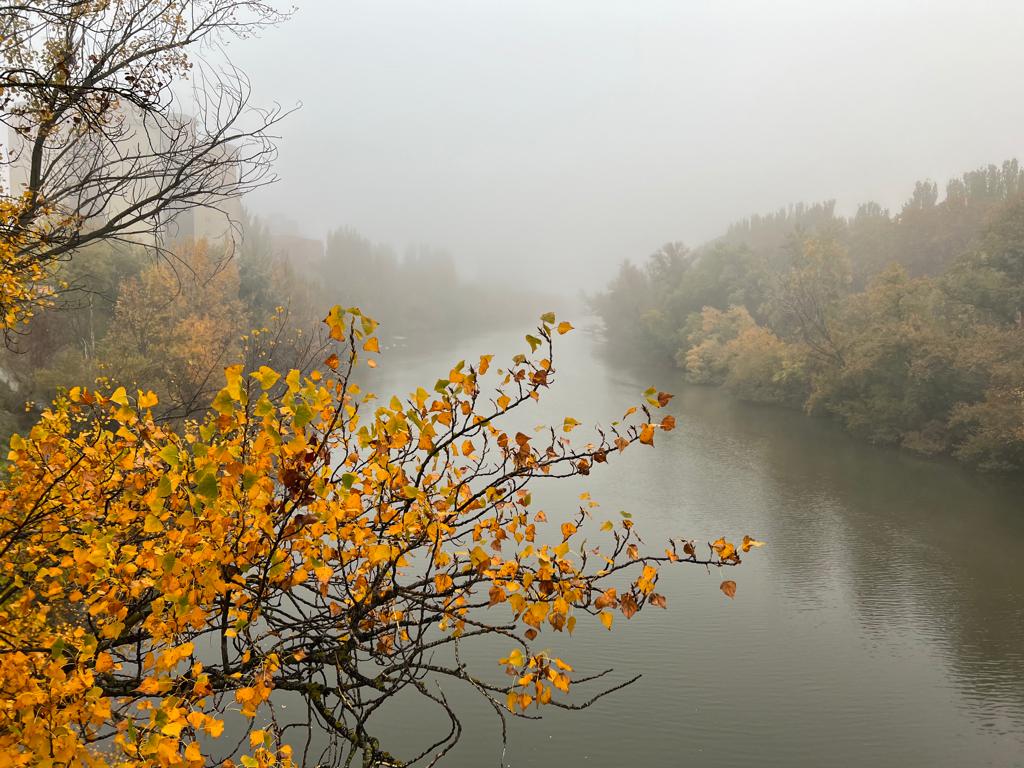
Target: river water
[(883, 625)]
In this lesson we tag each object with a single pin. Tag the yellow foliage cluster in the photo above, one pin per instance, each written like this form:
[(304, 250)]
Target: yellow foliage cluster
[(25, 283), (152, 579)]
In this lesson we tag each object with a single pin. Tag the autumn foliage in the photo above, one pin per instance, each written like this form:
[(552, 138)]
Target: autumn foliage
[(303, 537)]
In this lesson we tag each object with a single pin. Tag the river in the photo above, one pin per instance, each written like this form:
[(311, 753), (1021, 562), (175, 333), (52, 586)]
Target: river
[(883, 624)]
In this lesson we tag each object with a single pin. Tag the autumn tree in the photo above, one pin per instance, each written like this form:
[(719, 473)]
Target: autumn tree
[(304, 537), (123, 119), (174, 332), (806, 294)]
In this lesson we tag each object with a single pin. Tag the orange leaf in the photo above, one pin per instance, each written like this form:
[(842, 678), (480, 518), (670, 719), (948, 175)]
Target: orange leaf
[(729, 588), (749, 542), (647, 434)]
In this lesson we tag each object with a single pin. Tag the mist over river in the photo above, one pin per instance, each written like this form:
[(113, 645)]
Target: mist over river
[(882, 625)]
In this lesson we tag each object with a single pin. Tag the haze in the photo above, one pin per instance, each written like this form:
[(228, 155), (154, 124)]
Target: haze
[(577, 134)]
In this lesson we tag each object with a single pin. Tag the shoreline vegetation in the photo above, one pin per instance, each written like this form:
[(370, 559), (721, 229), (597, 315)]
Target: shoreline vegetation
[(906, 328)]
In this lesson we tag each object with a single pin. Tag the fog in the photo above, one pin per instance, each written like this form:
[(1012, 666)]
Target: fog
[(523, 136)]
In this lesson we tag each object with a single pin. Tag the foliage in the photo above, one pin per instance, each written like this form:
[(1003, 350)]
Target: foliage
[(907, 329), (174, 327), (302, 536), (24, 281), (97, 147)]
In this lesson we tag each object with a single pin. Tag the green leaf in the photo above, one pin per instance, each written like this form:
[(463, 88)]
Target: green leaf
[(57, 648), (533, 341), (169, 453), (207, 486), (163, 488), (303, 415), (249, 479)]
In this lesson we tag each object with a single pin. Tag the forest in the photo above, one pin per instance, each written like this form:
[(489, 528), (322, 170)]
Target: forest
[(906, 328), (170, 323)]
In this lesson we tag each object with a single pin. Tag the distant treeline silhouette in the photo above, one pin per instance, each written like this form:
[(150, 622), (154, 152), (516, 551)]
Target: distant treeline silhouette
[(906, 327)]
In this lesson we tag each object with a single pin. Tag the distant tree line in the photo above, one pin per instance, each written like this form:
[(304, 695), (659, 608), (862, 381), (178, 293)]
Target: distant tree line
[(907, 328), (170, 322)]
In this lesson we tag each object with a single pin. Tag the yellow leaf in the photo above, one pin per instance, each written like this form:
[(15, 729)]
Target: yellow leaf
[(147, 399), (606, 619), (233, 376), (267, 377), (564, 327), (120, 396), (335, 320), (378, 553), (173, 728), (371, 345)]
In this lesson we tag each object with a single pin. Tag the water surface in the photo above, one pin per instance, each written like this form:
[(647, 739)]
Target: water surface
[(883, 625)]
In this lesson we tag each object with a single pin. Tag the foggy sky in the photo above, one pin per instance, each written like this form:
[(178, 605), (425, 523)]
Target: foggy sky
[(567, 135)]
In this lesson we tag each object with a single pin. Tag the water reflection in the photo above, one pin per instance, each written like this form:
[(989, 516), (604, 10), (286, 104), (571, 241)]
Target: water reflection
[(883, 625)]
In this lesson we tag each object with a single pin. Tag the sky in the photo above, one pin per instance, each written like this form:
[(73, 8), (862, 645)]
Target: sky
[(548, 141)]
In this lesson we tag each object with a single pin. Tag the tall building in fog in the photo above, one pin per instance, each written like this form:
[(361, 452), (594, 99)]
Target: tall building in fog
[(140, 159)]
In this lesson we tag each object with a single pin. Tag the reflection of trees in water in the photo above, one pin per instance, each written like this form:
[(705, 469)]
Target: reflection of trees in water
[(923, 548)]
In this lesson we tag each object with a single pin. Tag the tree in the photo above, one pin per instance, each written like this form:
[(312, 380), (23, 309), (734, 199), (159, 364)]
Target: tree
[(806, 295), (103, 149), (174, 335), (312, 540)]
